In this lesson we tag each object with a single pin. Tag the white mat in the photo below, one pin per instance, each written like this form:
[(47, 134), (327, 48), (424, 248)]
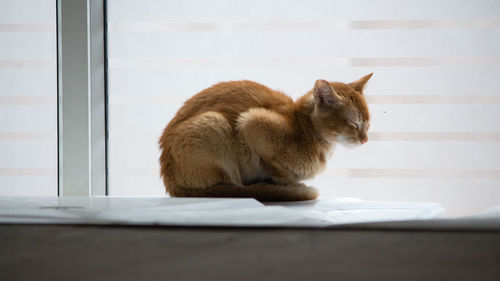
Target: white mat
[(208, 211)]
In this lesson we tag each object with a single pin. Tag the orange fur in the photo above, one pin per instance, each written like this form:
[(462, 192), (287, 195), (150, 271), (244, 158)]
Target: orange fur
[(242, 139)]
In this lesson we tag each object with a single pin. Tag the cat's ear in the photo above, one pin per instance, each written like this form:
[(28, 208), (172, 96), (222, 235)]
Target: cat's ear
[(324, 94), (359, 84)]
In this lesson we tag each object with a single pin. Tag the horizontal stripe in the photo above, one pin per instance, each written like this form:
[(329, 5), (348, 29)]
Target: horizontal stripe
[(18, 64), (150, 26), (27, 28), (371, 99), (433, 99), (27, 136), (162, 62), (27, 172), (351, 173), (115, 134), (425, 24), (372, 136), (478, 61), (434, 136), (304, 62), (140, 172), (28, 100), (126, 99), (413, 173)]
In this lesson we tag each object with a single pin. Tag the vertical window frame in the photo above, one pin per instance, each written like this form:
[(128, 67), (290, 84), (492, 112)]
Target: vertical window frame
[(81, 61)]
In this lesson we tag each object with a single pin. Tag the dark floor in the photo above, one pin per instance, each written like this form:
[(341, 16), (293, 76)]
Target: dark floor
[(160, 253)]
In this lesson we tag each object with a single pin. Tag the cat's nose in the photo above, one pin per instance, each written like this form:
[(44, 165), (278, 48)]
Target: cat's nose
[(363, 141)]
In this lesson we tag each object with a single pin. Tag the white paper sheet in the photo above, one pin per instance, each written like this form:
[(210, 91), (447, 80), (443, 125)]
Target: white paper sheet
[(208, 211)]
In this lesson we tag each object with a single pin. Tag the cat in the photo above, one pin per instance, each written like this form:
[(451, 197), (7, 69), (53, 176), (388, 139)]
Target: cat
[(243, 139)]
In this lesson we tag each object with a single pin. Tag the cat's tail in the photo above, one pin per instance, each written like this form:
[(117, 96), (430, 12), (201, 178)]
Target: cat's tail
[(261, 191)]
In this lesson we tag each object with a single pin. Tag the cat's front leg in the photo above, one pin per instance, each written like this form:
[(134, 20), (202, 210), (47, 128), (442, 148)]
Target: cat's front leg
[(279, 173), (269, 135)]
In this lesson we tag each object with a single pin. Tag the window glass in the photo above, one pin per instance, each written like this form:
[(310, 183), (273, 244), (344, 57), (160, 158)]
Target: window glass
[(28, 98), (434, 97)]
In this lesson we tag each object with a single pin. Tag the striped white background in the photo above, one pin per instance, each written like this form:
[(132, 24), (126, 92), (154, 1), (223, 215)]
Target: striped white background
[(28, 98), (434, 96)]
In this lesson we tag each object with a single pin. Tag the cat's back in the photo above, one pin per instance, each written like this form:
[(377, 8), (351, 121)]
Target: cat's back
[(233, 98)]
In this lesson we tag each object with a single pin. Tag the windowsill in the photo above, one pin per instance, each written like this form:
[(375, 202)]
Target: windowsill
[(321, 213)]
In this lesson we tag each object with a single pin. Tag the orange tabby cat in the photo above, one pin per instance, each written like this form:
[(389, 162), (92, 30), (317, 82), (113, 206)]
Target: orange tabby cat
[(242, 139)]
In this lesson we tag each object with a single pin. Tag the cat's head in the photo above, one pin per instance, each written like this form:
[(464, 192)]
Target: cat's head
[(340, 111)]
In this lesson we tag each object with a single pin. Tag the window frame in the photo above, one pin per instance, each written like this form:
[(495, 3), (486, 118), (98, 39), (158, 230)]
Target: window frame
[(81, 74)]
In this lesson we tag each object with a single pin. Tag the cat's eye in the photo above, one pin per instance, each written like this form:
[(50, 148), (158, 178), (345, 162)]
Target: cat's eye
[(353, 124)]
